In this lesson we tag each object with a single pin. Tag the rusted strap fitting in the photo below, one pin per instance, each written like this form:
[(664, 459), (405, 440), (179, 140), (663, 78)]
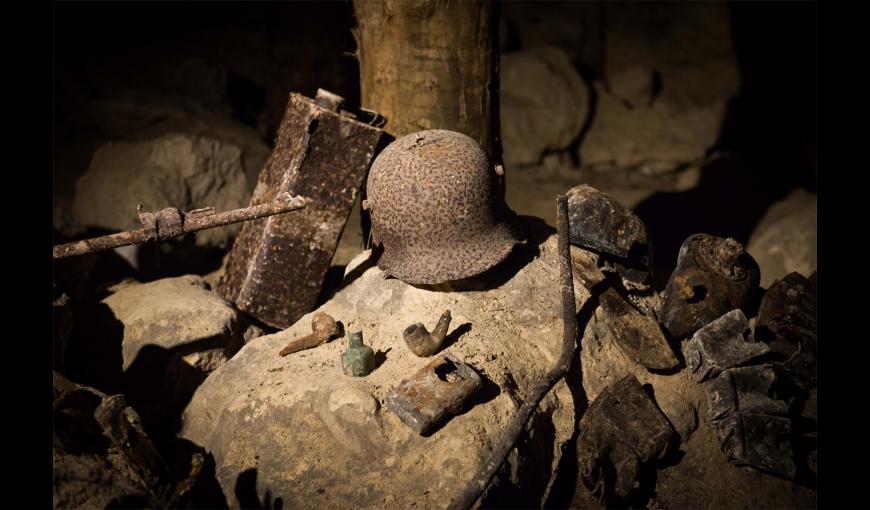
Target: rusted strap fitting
[(162, 225)]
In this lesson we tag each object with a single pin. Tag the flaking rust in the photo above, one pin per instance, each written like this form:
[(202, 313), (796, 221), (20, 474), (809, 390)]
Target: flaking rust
[(713, 276), (436, 390), (277, 266)]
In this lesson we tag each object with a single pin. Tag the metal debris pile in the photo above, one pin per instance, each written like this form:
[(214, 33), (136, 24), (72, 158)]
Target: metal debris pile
[(437, 218)]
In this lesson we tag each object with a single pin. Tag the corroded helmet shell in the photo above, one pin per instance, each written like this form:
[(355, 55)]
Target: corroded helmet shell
[(437, 209)]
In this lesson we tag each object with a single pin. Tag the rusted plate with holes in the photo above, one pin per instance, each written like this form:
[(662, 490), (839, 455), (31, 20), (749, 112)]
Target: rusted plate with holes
[(277, 265), (439, 388)]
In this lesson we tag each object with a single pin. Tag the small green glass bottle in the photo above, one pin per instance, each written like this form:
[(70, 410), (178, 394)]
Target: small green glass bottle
[(359, 359)]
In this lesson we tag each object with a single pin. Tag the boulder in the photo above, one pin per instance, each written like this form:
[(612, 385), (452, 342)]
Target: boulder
[(670, 70), (174, 170), (544, 103), (786, 238), (140, 116), (181, 315), (652, 138), (315, 437)]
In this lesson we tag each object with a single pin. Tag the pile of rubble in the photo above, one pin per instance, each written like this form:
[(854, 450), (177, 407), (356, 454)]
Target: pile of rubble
[(355, 400)]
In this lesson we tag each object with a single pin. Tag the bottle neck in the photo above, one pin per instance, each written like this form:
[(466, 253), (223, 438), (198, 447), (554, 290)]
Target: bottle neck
[(355, 339)]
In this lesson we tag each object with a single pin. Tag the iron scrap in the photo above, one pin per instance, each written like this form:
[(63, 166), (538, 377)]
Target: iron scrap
[(425, 344), (170, 222), (621, 431), (724, 343), (787, 322), (276, 267), (713, 276), (753, 428), (323, 329), (600, 223), (436, 390)]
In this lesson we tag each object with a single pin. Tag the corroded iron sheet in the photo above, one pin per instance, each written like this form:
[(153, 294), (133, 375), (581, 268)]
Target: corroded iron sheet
[(277, 265)]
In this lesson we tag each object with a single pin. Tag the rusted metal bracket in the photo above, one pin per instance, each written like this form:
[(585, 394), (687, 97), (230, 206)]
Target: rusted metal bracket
[(170, 222)]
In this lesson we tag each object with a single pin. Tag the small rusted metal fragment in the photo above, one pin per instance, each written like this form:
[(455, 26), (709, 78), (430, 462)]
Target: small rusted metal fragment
[(787, 322), (323, 328), (713, 276), (753, 428), (722, 344), (637, 335), (436, 390), (622, 429), (600, 223), (276, 267), (421, 342), (171, 222)]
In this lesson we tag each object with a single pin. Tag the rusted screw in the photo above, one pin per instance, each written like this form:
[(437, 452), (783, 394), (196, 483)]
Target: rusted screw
[(323, 327), (421, 342)]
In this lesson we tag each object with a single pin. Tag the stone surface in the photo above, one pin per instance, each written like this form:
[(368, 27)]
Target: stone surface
[(260, 411), (633, 138), (669, 71), (786, 238), (544, 103), (174, 170), (181, 315), (140, 116)]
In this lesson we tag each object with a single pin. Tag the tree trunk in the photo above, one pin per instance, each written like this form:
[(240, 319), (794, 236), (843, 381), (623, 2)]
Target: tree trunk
[(430, 64)]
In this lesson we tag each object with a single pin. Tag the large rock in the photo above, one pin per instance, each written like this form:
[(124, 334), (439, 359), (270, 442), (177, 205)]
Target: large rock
[(653, 138), (181, 315), (670, 70), (139, 116), (786, 238), (544, 103), (174, 170), (317, 438)]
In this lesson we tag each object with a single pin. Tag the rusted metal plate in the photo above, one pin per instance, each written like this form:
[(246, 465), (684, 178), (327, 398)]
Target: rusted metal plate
[(439, 388), (277, 265)]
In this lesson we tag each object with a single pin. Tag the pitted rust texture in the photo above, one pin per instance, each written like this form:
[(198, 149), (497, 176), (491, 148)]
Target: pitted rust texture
[(787, 321), (439, 388), (720, 345), (437, 209), (713, 276), (277, 265)]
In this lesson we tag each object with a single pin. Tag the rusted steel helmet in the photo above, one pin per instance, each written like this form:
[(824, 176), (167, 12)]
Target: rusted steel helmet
[(437, 208)]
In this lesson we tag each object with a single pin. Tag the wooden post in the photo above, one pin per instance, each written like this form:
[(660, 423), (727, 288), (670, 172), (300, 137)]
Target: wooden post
[(430, 64)]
